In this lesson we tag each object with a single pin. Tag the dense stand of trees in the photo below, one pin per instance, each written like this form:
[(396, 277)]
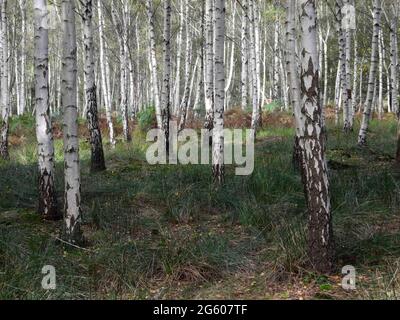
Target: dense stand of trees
[(196, 59)]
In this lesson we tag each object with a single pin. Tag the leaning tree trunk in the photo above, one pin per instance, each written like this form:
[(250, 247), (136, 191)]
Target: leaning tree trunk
[(97, 153), (47, 192), (321, 248), (165, 93), (4, 99), (377, 11), (73, 215), (219, 97)]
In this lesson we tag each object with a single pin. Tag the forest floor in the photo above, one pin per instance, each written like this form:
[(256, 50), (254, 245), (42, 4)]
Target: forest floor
[(165, 232)]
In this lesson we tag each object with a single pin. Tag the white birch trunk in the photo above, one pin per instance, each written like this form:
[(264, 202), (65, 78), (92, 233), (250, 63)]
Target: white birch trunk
[(188, 65), (377, 12), (73, 214), (153, 60), (179, 41), (22, 101), (244, 56), (47, 193), (4, 77), (315, 167), (253, 63), (209, 67), (105, 76), (219, 97), (165, 93)]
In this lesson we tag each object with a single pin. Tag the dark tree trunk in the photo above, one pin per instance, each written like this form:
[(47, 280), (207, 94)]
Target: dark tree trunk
[(47, 197), (97, 156)]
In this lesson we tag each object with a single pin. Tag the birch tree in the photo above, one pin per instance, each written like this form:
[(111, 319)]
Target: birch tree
[(121, 24), (96, 142), (255, 120), (377, 12), (179, 58), (72, 197), (320, 237), (219, 96), (394, 59), (293, 78), (188, 64), (4, 81), (244, 56), (47, 192), (22, 89), (105, 75), (165, 94), (347, 88), (153, 60), (209, 68)]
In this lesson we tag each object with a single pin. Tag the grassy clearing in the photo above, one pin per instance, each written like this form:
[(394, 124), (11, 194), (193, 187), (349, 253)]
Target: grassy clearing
[(166, 232)]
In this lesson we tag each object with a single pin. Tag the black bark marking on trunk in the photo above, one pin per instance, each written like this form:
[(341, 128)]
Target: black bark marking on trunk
[(47, 197), (97, 153)]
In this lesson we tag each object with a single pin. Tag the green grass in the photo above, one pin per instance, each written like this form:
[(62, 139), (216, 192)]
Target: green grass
[(167, 232)]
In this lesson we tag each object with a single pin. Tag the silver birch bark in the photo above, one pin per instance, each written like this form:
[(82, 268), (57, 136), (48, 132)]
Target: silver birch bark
[(22, 101), (244, 56), (209, 68), (338, 93), (104, 76), (325, 45), (165, 93), (73, 214), (348, 104), (153, 60), (394, 61), (293, 79), (219, 97), (355, 77), (275, 86), (253, 63), (313, 143), (179, 41), (377, 12), (380, 75), (122, 36), (394, 69), (256, 16), (188, 64), (232, 58), (47, 193), (4, 78), (96, 142)]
